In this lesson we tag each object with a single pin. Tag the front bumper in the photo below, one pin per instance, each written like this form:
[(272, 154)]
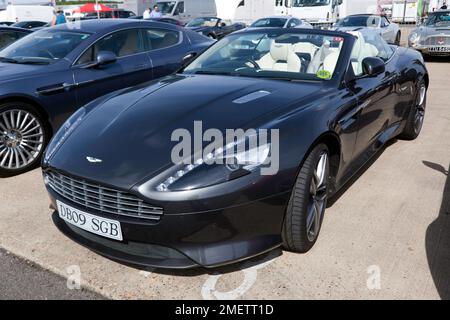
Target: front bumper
[(428, 50), (179, 241)]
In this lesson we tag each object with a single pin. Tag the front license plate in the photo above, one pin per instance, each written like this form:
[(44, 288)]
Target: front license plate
[(103, 227), (439, 49)]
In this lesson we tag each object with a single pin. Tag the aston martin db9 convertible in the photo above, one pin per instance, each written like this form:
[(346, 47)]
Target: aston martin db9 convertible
[(146, 175), (47, 75)]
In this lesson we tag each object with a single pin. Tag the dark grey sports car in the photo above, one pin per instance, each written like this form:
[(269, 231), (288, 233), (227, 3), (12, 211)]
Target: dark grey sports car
[(47, 75), (238, 153), (214, 28)]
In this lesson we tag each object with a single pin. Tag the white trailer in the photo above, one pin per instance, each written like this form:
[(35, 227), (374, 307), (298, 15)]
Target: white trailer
[(187, 10), (326, 12), (15, 13), (323, 12)]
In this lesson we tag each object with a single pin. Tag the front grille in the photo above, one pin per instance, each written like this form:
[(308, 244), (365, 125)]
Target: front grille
[(437, 41), (91, 196)]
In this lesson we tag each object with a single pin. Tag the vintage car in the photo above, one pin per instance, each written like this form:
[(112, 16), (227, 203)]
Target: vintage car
[(433, 36)]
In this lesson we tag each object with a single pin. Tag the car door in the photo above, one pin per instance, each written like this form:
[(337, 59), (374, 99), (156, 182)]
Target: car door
[(132, 66), (377, 99), (166, 49)]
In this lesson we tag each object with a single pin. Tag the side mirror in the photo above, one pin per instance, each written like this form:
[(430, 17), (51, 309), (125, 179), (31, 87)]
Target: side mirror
[(373, 66), (105, 57), (223, 24), (188, 58)]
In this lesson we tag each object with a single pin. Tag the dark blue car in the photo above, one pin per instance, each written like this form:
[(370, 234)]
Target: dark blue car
[(47, 75)]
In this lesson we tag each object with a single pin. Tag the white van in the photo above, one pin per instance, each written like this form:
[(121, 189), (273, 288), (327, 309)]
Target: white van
[(187, 10), (19, 13)]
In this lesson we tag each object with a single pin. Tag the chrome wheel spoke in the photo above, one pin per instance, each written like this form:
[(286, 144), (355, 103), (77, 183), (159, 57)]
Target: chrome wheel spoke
[(21, 138), (318, 190)]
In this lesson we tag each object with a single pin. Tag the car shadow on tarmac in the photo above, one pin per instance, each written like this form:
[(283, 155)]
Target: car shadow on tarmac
[(437, 239)]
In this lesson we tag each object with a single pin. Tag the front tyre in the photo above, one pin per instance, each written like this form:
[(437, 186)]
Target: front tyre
[(23, 136), (414, 122), (308, 201)]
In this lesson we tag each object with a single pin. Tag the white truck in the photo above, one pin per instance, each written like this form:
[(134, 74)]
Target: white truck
[(327, 12), (317, 12), (187, 10), (17, 13)]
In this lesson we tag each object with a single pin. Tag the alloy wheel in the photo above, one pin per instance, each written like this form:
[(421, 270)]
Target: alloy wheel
[(318, 196), (21, 139), (420, 109)]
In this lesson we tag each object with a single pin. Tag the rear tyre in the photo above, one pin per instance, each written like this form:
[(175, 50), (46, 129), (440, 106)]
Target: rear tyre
[(23, 137), (308, 201), (398, 38), (414, 122)]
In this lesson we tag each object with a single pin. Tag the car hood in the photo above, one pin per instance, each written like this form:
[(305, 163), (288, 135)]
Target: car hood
[(425, 31), (16, 71), (131, 133)]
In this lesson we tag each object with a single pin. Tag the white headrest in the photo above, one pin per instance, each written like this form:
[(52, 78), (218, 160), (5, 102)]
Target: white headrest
[(279, 51), (359, 44)]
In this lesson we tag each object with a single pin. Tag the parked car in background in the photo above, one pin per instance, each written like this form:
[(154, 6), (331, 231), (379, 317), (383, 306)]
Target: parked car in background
[(116, 187), (169, 20), (389, 31), (214, 28), (29, 24), (281, 22), (433, 36), (47, 75), (113, 14), (9, 35)]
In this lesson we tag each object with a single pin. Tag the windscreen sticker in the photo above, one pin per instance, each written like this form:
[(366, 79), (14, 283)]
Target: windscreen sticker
[(323, 74)]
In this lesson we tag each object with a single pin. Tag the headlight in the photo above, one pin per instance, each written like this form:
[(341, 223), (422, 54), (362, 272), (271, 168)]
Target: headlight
[(218, 167), (62, 134), (414, 38)]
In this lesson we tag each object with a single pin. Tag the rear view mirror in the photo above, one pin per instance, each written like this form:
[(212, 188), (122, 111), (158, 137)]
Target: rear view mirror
[(188, 58), (373, 66)]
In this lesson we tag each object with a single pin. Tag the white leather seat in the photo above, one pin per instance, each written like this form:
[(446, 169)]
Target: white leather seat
[(306, 47), (280, 58)]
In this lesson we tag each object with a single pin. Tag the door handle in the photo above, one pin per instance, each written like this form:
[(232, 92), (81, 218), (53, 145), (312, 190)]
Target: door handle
[(139, 66)]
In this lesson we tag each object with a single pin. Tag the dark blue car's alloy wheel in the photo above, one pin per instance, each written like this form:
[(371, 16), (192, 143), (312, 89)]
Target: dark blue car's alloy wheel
[(21, 139), (420, 109), (318, 195)]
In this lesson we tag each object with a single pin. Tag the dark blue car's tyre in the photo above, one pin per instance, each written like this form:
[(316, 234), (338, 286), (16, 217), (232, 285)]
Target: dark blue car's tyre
[(23, 136), (306, 208), (416, 115)]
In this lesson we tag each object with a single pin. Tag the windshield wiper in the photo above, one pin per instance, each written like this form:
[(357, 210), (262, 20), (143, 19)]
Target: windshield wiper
[(220, 73), (31, 61), (24, 61), (9, 60)]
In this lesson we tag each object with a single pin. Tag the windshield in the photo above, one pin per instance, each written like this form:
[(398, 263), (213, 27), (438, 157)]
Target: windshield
[(203, 22), (359, 21), (440, 19), (269, 23), (275, 55), (44, 46), (310, 3), (166, 7)]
